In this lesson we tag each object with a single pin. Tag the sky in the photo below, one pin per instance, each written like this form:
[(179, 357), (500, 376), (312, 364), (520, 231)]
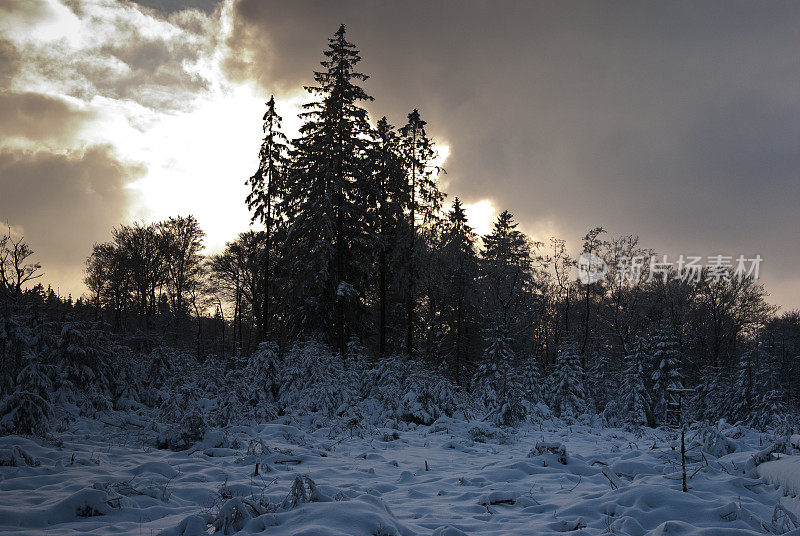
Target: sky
[(676, 121)]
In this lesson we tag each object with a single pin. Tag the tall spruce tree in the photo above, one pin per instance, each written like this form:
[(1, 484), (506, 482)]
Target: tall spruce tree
[(506, 268), (328, 199), (267, 188), (459, 262), (423, 207), (392, 197)]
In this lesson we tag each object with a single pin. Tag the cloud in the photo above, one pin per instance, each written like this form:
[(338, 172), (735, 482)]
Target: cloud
[(9, 62), (23, 11), (171, 6), (63, 203), (117, 51), (39, 118)]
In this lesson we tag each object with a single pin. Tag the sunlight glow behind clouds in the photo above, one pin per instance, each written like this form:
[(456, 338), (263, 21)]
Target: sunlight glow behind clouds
[(481, 215), (198, 143)]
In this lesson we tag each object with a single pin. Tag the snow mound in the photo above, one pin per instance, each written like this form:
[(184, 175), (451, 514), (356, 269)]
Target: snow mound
[(784, 473)]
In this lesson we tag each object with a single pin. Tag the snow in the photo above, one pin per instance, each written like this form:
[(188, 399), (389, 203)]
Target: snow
[(784, 472), (287, 477)]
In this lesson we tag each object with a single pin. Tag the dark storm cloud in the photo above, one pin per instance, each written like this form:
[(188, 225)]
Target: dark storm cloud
[(63, 203), (39, 118), (678, 121)]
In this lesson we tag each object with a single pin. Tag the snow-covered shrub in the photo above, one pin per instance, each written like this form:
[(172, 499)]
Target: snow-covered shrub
[(16, 344), (430, 396), (712, 439), (484, 432), (542, 448), (631, 406), (83, 365), (498, 383), (28, 410), (406, 390), (17, 457), (303, 490), (234, 514), (314, 381), (569, 399), (712, 398), (186, 417), (262, 382)]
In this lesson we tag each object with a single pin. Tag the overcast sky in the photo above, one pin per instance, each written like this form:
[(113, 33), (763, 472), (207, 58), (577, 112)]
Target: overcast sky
[(676, 121)]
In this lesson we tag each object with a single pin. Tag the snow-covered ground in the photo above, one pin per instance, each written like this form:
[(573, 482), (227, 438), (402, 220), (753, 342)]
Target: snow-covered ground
[(449, 478)]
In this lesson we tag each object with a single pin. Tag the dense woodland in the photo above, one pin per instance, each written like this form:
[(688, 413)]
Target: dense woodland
[(363, 293)]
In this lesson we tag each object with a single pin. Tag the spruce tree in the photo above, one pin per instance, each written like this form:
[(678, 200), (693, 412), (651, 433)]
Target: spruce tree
[(634, 391), (267, 188), (604, 379), (770, 411), (392, 197), (459, 262), (568, 379), (498, 382), (666, 375), (713, 394), (423, 207), (328, 199), (28, 410), (505, 268)]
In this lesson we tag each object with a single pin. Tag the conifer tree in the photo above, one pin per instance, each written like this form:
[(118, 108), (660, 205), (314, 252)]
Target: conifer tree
[(666, 375), (392, 197), (569, 397), (497, 382), (532, 381), (745, 391), (267, 188), (634, 391), (712, 399), (604, 379), (28, 409), (769, 411), (460, 264), (423, 206), (506, 268), (328, 199)]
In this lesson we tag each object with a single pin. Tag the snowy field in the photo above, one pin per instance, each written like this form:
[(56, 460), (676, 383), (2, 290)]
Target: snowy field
[(449, 478)]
